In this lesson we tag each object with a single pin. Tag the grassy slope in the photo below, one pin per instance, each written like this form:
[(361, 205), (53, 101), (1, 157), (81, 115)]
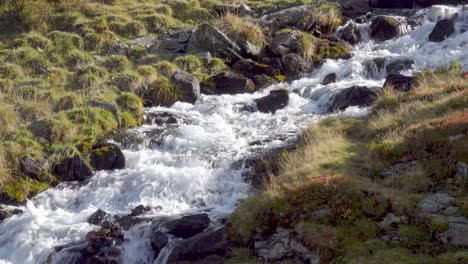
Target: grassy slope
[(337, 166)]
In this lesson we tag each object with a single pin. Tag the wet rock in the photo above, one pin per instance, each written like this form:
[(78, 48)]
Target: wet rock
[(98, 217), (72, 169), (399, 169), (284, 245), (109, 106), (442, 30), (435, 203), (232, 83), (209, 38), (291, 17), (386, 27), (101, 244), (294, 65), (240, 10), (139, 210), (286, 42), (158, 241), (273, 102), (457, 235), (31, 167), (160, 118), (250, 69), (126, 138), (107, 156), (209, 244), (396, 65), (329, 78), (262, 81), (351, 34), (188, 226), (353, 96), (189, 86), (400, 82), (7, 213)]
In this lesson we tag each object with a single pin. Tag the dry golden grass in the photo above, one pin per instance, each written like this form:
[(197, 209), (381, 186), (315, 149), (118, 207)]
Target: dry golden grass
[(241, 28)]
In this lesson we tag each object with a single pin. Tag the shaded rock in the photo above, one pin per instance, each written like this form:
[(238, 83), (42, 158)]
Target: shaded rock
[(107, 156), (139, 210), (286, 42), (399, 169), (209, 243), (109, 106), (72, 169), (351, 34), (277, 99), (357, 6), (274, 63), (249, 50), (98, 217), (291, 17), (294, 65), (160, 118), (396, 65), (400, 82), (329, 78), (189, 86), (435, 202), (188, 226), (353, 96), (262, 81), (127, 221), (250, 69), (386, 27), (442, 30), (31, 167), (42, 129), (239, 10), (457, 235), (158, 242), (231, 83), (391, 4), (209, 38)]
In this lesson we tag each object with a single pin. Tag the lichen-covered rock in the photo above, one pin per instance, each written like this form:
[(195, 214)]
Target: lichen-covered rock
[(442, 30), (353, 96), (189, 86), (188, 226), (107, 156), (387, 27), (291, 17), (276, 100), (72, 169), (232, 83), (435, 202)]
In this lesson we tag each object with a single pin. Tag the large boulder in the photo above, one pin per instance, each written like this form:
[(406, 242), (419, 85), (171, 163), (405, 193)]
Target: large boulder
[(263, 81), (98, 217), (188, 226), (386, 27), (273, 102), (31, 167), (232, 83), (353, 96), (158, 241), (291, 17), (209, 38), (202, 248), (442, 30), (189, 86), (294, 65), (351, 33), (286, 42), (435, 203), (400, 82), (250, 68), (72, 169), (329, 78), (107, 156)]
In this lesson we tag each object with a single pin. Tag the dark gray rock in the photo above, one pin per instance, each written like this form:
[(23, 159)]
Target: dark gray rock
[(188, 226), (158, 242), (31, 167), (273, 102), (160, 118), (72, 169), (7, 213), (262, 81), (250, 68), (353, 96), (396, 65), (189, 86), (286, 42), (329, 78), (398, 4), (209, 38), (456, 235), (200, 247), (294, 65), (42, 130), (139, 210), (386, 27), (107, 156), (400, 82), (442, 30), (351, 34), (435, 203), (232, 83), (98, 217), (109, 106)]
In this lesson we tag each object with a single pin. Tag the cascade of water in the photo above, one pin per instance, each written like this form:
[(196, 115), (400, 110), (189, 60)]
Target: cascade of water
[(187, 166)]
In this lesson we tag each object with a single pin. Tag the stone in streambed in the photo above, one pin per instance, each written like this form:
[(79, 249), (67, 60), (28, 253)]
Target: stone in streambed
[(98, 217), (72, 169), (188, 85), (442, 30), (329, 78), (232, 83), (188, 226), (353, 96), (158, 241), (107, 156), (386, 27), (273, 102)]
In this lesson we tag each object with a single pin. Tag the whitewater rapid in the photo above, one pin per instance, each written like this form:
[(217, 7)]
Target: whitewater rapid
[(187, 167)]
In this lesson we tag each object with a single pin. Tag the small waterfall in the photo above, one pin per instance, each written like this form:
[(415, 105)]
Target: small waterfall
[(182, 160)]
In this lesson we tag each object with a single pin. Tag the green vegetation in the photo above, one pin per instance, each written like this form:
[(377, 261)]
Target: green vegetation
[(337, 166)]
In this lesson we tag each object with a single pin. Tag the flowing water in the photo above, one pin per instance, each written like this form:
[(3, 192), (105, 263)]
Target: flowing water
[(188, 166)]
